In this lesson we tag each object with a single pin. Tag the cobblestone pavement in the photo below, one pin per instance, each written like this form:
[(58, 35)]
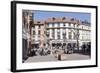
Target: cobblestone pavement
[(67, 57)]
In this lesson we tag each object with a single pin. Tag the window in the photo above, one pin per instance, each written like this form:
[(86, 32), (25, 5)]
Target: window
[(74, 25), (58, 36), (64, 34), (53, 33), (70, 35), (38, 22), (58, 30), (33, 26), (30, 18), (53, 18), (39, 32), (74, 35), (58, 25), (25, 18), (69, 24), (58, 33), (63, 18), (50, 25), (39, 26), (82, 27), (64, 24), (53, 25), (47, 33), (33, 32), (72, 19), (77, 25)]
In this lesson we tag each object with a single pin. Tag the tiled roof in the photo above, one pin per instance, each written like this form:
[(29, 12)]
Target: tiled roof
[(62, 19), (38, 22)]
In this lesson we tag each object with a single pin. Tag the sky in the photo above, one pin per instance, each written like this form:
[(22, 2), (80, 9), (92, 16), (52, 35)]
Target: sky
[(43, 15)]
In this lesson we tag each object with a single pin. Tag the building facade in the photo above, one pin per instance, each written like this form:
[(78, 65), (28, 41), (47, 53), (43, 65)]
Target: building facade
[(53, 33), (38, 34), (27, 21), (60, 33), (68, 31)]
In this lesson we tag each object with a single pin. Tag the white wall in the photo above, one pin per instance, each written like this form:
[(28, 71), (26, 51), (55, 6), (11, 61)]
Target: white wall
[(5, 37), (36, 33)]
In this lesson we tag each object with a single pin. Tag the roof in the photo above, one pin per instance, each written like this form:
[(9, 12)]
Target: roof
[(61, 19), (38, 22)]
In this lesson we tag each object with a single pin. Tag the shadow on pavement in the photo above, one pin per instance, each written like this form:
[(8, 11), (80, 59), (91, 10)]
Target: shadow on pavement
[(83, 52)]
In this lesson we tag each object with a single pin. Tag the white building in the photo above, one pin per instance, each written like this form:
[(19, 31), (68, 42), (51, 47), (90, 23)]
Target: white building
[(68, 30), (58, 32), (38, 34)]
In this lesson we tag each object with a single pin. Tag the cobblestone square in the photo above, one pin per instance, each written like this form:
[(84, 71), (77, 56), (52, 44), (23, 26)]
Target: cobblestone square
[(49, 58)]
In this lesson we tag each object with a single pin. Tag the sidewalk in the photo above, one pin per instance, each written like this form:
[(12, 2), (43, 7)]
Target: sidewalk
[(41, 59), (74, 56)]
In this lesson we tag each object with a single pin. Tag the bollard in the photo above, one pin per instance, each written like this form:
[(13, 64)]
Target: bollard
[(59, 57)]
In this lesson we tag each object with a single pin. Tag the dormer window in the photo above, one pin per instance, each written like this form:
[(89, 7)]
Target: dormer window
[(38, 22), (72, 19), (63, 18), (53, 18)]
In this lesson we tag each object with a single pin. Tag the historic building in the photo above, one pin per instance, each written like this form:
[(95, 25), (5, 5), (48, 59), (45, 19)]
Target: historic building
[(60, 32), (38, 34), (68, 31), (53, 33), (27, 21)]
